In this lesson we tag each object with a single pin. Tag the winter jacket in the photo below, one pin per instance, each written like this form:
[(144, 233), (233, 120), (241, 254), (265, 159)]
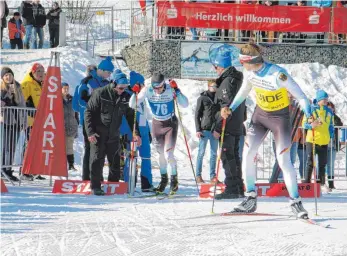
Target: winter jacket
[(26, 11), (39, 15), (70, 118), (228, 84), (32, 90), (205, 112), (4, 13), (336, 142), (54, 16), (10, 116), (322, 133), (12, 29), (104, 113), (86, 87)]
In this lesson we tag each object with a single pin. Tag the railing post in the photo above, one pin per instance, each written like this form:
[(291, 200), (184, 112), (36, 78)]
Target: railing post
[(112, 22), (62, 29)]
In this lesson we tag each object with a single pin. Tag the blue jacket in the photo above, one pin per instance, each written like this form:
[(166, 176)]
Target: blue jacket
[(85, 90), (321, 3)]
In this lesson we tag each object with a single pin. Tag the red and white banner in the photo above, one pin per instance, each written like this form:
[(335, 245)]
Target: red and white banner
[(3, 188), (45, 153), (340, 20), (83, 187), (265, 189), (244, 17)]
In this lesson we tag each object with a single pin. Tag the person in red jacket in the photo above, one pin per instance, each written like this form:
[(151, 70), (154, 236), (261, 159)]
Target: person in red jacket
[(16, 31)]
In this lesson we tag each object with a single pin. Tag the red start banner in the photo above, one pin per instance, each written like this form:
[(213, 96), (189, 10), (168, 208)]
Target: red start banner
[(244, 17), (3, 187), (265, 189), (83, 187)]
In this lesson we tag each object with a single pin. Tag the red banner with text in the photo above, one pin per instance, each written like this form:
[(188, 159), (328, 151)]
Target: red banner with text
[(244, 17), (45, 153), (340, 20)]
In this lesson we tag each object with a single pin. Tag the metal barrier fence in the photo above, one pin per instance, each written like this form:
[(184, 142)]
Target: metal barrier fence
[(266, 160), (15, 126)]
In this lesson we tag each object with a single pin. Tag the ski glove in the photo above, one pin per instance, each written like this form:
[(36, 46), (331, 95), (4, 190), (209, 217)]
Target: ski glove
[(174, 86), (136, 88)]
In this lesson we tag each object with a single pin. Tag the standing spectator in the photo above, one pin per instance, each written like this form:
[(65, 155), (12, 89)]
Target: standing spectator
[(39, 22), (16, 31), (4, 13), (322, 124), (333, 148), (26, 11), (54, 18), (96, 79), (228, 84), (269, 36), (12, 121), (205, 113), (71, 125), (32, 89), (103, 118)]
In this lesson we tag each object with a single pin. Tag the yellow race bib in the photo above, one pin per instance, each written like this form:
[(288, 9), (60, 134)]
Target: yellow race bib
[(272, 100)]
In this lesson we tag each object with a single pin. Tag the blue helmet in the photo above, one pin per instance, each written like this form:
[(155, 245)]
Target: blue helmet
[(136, 78), (119, 77), (222, 57)]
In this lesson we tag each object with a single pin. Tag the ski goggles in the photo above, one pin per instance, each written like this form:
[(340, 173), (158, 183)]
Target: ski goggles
[(251, 59), (158, 85)]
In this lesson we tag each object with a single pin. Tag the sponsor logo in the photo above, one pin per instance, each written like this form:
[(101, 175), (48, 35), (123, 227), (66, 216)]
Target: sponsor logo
[(283, 77), (314, 18)]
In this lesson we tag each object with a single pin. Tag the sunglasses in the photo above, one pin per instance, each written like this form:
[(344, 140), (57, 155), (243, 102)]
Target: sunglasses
[(157, 86), (120, 88)]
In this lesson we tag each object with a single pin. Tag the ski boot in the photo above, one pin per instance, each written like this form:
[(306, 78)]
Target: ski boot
[(298, 209), (163, 183), (151, 189), (249, 204), (173, 184), (98, 192)]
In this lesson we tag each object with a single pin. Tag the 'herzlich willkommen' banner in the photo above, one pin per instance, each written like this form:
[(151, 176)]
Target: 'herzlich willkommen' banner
[(45, 153), (244, 17)]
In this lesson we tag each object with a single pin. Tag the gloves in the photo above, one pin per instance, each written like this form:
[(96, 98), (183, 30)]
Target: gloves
[(136, 88), (225, 112), (173, 84)]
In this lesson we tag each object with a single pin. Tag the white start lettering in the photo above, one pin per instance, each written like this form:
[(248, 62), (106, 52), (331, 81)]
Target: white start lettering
[(263, 189)]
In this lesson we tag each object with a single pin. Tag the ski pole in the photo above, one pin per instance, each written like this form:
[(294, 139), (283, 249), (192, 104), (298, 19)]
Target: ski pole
[(218, 161), (185, 140), (132, 171), (314, 172)]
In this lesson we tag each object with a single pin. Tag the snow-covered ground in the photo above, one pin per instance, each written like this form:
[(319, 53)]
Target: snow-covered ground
[(36, 222)]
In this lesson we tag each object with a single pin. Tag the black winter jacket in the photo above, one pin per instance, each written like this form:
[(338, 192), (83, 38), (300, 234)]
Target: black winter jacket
[(39, 15), (205, 113), (228, 84), (53, 16), (104, 113), (3, 19), (26, 11)]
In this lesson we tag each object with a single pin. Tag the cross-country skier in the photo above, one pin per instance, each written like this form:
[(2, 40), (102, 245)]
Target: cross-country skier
[(271, 84), (193, 57), (160, 96)]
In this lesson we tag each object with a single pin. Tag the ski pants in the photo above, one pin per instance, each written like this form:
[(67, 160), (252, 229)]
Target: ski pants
[(164, 139), (104, 147), (322, 152), (86, 156), (279, 123), (232, 164)]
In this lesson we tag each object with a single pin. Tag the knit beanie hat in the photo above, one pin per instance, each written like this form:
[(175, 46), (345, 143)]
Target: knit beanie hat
[(119, 77), (35, 67), (136, 78), (321, 95), (106, 64), (157, 79), (6, 70)]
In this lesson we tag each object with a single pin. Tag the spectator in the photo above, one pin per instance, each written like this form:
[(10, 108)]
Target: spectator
[(269, 36), (12, 121), (228, 84), (71, 125), (193, 30), (205, 112), (26, 11), (96, 79), (32, 89), (103, 117), (54, 18), (4, 13), (16, 31), (39, 22), (333, 148), (321, 3), (323, 128)]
